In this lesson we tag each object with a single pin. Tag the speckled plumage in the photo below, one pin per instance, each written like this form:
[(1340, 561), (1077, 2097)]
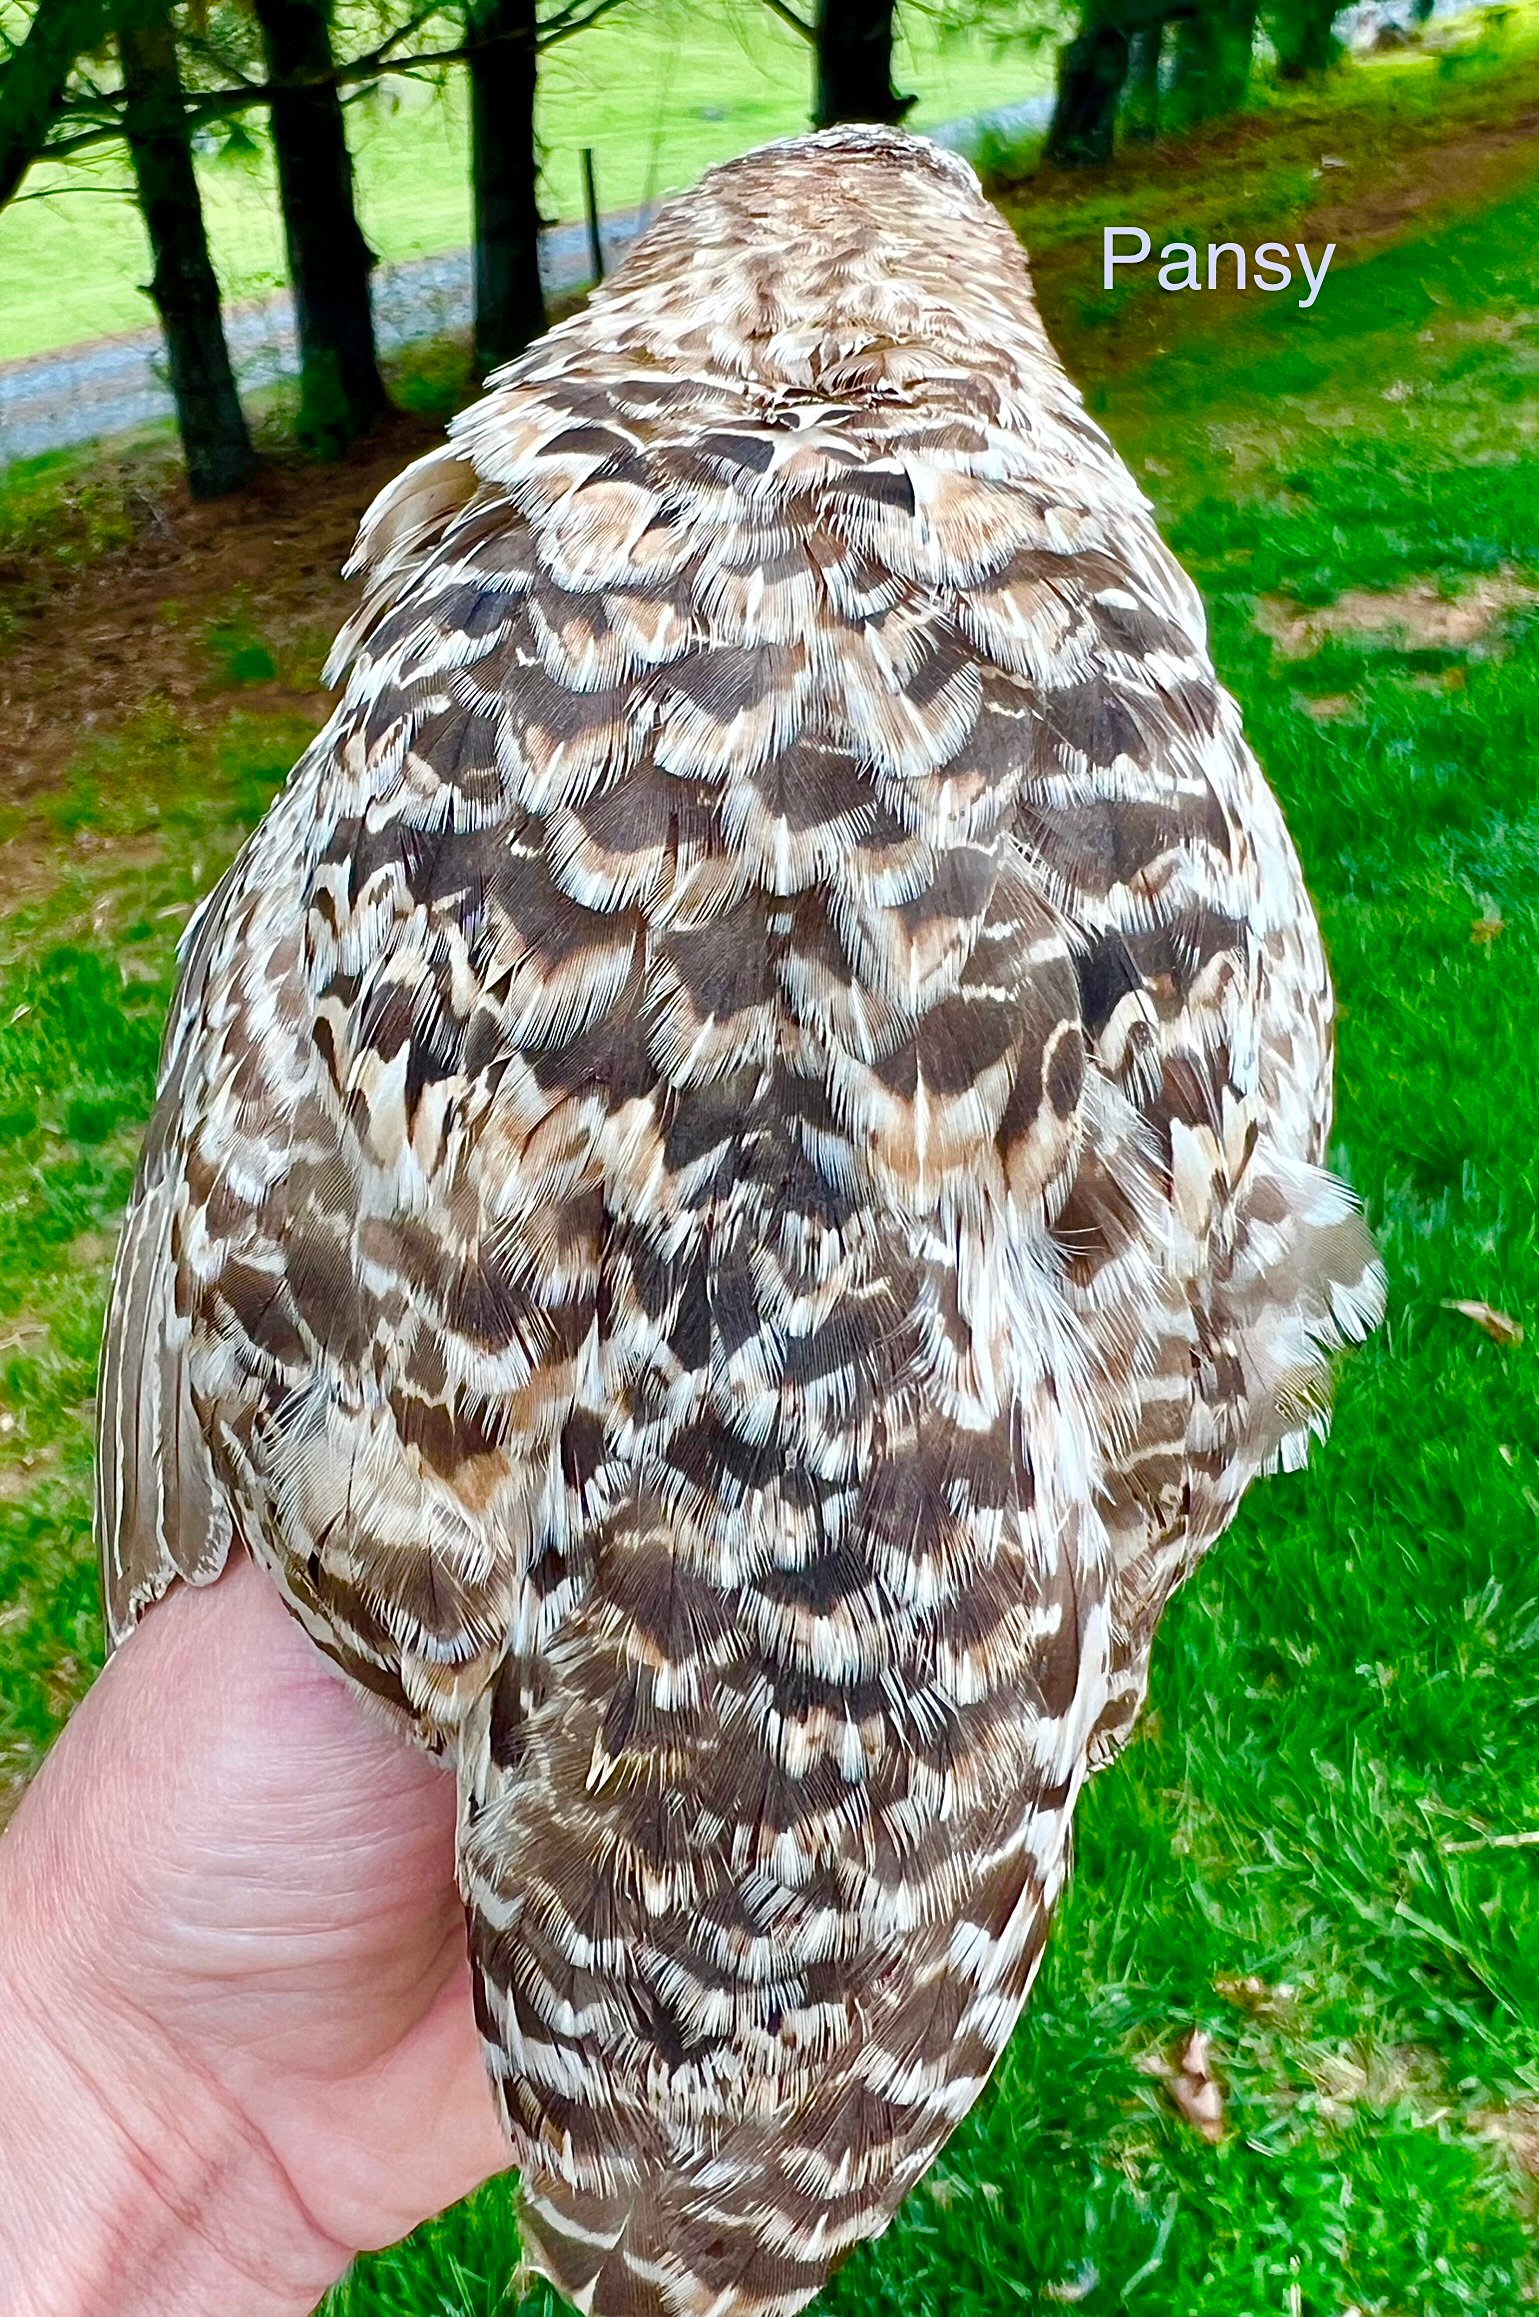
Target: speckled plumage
[(736, 1195)]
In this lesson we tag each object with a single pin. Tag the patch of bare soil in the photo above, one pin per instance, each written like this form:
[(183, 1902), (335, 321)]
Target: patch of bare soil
[(128, 629), (1480, 162), (1419, 614), (1328, 707)]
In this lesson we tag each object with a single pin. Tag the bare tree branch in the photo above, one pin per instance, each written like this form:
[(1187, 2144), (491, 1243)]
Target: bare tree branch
[(571, 21), (37, 73), (789, 16), (123, 192), (207, 105), (103, 108)]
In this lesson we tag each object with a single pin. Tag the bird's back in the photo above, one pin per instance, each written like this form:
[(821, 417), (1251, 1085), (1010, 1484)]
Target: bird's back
[(736, 1195)]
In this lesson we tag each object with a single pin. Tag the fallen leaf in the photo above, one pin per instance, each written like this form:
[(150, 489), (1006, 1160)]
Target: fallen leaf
[(1195, 2092), (1498, 1325)]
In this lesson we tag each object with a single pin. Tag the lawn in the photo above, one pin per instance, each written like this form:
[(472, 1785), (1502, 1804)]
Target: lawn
[(658, 90), (1321, 1848)]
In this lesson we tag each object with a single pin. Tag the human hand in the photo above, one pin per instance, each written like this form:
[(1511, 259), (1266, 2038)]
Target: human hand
[(236, 2035)]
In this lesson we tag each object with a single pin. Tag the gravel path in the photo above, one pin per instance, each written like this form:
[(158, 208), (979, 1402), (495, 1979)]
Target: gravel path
[(54, 401)]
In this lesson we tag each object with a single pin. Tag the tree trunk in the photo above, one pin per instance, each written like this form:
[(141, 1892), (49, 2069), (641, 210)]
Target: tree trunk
[(1141, 99), (184, 287), (1213, 57), (854, 63), (1306, 45), (329, 261), (1091, 72), (504, 67)]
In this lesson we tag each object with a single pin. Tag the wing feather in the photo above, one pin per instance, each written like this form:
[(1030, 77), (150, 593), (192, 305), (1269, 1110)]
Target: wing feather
[(160, 1513)]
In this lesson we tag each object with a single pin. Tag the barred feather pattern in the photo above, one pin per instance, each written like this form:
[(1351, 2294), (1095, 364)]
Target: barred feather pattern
[(736, 1195)]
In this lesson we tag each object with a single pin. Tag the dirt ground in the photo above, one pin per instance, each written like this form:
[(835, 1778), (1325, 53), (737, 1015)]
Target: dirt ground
[(1478, 164), (98, 644)]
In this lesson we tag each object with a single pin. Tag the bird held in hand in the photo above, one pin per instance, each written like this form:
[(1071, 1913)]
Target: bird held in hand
[(736, 1195)]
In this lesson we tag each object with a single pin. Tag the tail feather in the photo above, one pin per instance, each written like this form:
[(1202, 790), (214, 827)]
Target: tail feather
[(745, 2231), (668, 2258), (698, 2139)]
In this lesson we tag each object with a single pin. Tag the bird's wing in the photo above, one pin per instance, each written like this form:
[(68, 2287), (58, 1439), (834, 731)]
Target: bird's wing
[(160, 1514), (305, 1259), (1208, 1007)]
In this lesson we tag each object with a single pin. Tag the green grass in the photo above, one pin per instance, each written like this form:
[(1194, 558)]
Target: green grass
[(1344, 1699), (658, 90)]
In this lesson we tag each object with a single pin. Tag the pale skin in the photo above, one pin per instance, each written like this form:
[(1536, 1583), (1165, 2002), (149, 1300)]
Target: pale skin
[(236, 2037)]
